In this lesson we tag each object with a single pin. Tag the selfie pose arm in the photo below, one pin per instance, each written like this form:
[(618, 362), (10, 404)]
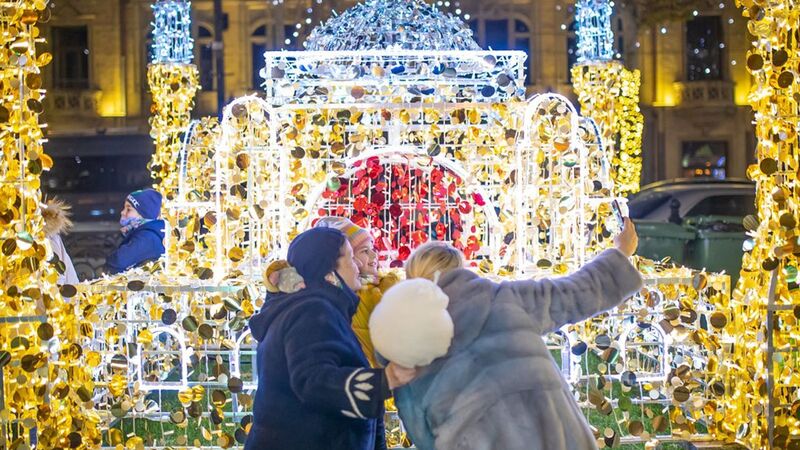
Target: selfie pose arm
[(600, 285)]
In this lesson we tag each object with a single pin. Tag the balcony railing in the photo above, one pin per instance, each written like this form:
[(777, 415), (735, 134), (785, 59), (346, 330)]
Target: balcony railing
[(78, 102), (705, 93)]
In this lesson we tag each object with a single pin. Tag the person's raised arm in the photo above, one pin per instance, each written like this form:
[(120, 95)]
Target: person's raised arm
[(600, 285)]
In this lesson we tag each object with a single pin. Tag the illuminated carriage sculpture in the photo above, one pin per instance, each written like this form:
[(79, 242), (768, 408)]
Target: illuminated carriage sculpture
[(414, 143), (394, 117)]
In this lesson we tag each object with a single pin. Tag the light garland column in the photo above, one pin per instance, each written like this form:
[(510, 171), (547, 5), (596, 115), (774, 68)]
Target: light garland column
[(763, 381), (47, 390), (609, 94), (173, 82)]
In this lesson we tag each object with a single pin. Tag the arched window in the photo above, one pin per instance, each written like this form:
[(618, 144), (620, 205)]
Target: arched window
[(503, 34), (205, 59), (258, 45), (521, 40)]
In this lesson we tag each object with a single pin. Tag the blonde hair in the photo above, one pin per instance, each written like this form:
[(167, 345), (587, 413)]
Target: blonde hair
[(432, 258)]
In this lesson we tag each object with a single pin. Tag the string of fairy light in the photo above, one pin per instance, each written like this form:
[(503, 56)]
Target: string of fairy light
[(766, 302), (47, 389)]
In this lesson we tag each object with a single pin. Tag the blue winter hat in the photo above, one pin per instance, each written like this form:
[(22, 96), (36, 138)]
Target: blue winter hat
[(313, 253), (147, 202)]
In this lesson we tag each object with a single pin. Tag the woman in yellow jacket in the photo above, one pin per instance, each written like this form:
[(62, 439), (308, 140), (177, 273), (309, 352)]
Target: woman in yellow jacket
[(373, 285)]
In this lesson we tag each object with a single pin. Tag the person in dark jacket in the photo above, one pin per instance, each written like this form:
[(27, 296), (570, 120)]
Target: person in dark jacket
[(142, 231), (316, 390)]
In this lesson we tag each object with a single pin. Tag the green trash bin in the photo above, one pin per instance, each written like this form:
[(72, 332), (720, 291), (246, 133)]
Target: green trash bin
[(718, 246), (658, 240)]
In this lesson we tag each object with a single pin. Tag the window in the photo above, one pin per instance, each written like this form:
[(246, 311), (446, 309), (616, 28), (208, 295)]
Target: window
[(258, 45), (522, 42), (705, 159), (724, 205), (205, 61), (704, 48), (496, 35), (504, 34), (71, 57)]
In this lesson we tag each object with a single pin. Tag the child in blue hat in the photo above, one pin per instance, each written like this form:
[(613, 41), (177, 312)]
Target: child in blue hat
[(142, 231)]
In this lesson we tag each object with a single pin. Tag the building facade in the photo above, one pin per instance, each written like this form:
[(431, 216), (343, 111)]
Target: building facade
[(693, 93)]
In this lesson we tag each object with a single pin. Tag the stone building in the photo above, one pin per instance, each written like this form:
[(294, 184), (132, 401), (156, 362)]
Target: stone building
[(693, 93)]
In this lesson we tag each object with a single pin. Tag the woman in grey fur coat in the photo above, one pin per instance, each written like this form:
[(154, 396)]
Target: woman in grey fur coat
[(498, 388)]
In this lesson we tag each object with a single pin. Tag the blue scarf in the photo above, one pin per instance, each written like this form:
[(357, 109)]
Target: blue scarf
[(131, 223)]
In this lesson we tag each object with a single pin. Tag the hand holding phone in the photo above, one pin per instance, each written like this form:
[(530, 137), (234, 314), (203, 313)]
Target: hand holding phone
[(615, 207), (626, 240)]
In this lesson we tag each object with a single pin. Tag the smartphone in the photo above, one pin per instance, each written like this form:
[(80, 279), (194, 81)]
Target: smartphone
[(618, 213)]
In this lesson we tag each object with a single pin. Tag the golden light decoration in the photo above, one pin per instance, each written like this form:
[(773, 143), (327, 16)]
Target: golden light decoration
[(176, 358), (414, 145), (47, 391), (197, 195), (173, 82), (649, 370), (411, 170), (762, 410), (173, 86), (609, 94)]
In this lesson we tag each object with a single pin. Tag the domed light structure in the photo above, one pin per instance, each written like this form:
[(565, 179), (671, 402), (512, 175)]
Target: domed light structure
[(397, 87), (392, 25)]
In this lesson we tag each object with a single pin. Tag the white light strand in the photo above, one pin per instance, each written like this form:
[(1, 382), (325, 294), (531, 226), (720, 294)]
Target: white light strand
[(595, 38), (172, 37)]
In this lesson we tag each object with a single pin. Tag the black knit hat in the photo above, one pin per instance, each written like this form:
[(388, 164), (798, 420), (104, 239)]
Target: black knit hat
[(313, 253)]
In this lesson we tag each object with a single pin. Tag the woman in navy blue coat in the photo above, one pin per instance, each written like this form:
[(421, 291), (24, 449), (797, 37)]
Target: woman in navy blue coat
[(316, 390)]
